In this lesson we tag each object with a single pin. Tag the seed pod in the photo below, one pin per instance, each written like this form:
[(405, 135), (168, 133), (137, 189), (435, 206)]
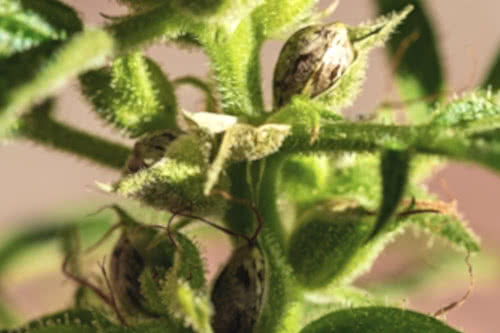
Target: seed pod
[(312, 61), (140, 248), (149, 150), (326, 240), (238, 292)]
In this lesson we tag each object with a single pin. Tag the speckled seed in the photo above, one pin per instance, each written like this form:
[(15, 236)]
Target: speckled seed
[(312, 61), (238, 291), (126, 267), (149, 150)]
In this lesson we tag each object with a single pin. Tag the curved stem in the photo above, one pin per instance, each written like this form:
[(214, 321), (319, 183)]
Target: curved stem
[(39, 126), (268, 196)]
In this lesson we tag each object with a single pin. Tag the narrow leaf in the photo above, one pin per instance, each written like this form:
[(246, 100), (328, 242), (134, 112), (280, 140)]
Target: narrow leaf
[(28, 23), (68, 321), (492, 79), (394, 169), (446, 224), (246, 143), (415, 56), (133, 94), (377, 319)]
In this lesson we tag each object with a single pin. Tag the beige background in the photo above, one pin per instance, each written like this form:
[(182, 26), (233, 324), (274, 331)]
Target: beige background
[(35, 181)]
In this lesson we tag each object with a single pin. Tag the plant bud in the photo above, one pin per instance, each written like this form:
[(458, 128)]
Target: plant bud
[(148, 150), (326, 240), (312, 61), (238, 291)]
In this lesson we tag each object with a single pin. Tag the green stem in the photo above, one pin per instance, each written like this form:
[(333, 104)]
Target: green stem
[(160, 22), (240, 218), (267, 205), (39, 126), (235, 59), (282, 291), (363, 137)]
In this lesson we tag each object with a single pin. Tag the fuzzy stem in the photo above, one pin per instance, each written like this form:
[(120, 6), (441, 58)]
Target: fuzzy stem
[(39, 126), (238, 217), (268, 196)]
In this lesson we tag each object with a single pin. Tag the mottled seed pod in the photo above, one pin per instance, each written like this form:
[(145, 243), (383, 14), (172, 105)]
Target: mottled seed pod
[(238, 292), (148, 150), (140, 248), (312, 61)]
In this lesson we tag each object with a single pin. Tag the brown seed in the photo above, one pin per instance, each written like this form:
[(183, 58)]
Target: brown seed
[(238, 291), (312, 61)]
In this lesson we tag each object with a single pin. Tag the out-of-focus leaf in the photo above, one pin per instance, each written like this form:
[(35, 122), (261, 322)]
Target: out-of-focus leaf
[(42, 232), (394, 169), (471, 113), (68, 321), (377, 319), (415, 53), (447, 224), (492, 79), (84, 51), (27, 23), (435, 271)]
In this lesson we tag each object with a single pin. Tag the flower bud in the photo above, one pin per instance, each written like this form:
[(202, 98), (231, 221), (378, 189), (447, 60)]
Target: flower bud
[(312, 61)]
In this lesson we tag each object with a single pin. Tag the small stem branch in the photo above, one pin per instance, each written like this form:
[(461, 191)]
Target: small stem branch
[(39, 126)]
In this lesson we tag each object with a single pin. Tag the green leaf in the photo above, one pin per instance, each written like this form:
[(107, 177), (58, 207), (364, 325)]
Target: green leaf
[(304, 178), (73, 320), (415, 53), (86, 50), (472, 113), (40, 126), (22, 67), (235, 61), (377, 319), (277, 16), (133, 94), (244, 142), (356, 177), (326, 240), (447, 224), (40, 233), (28, 23), (176, 181), (394, 169), (345, 296), (492, 79)]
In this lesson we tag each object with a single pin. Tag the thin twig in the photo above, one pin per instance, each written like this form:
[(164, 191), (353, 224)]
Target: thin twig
[(250, 205), (462, 300), (114, 305)]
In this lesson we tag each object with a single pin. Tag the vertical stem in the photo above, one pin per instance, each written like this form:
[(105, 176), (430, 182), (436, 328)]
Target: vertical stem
[(239, 218), (268, 200)]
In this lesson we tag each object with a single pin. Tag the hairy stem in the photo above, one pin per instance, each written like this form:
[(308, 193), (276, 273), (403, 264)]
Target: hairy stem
[(38, 125)]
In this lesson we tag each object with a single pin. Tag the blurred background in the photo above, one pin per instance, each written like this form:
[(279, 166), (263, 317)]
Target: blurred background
[(38, 182)]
